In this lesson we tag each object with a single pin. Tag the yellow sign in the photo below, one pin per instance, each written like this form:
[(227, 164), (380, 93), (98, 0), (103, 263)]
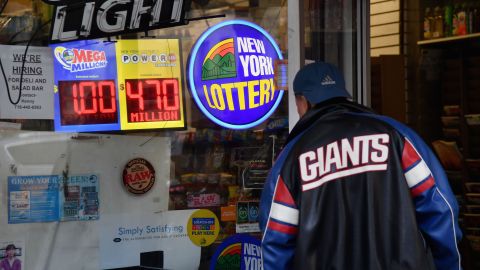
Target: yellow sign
[(203, 227), (150, 84)]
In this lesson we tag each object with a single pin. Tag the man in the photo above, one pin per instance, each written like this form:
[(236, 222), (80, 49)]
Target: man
[(354, 190)]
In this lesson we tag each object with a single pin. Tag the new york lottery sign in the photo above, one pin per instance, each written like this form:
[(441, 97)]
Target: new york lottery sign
[(231, 74)]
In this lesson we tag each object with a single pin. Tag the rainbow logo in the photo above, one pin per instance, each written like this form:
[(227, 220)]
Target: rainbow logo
[(238, 252), (220, 61), (230, 257)]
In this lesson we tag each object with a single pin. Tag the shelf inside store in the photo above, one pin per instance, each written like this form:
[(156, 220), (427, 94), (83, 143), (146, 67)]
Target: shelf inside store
[(448, 39)]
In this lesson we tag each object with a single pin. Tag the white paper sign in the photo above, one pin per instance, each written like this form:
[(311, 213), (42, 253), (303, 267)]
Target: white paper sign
[(36, 101), (152, 241)]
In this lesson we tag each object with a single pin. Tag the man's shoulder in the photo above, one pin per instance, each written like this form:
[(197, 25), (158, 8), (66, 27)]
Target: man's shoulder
[(353, 123), (400, 127)]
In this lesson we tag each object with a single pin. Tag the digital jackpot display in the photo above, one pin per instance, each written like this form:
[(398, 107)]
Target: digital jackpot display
[(88, 102), (231, 74), (152, 100), (91, 95), (150, 82)]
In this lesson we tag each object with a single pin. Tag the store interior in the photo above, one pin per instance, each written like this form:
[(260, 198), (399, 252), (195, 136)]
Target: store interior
[(449, 71), (434, 46)]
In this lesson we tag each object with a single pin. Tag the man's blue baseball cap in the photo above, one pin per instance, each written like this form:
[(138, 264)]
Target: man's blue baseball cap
[(318, 82)]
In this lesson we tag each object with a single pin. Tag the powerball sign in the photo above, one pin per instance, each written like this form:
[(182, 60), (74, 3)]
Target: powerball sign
[(231, 74)]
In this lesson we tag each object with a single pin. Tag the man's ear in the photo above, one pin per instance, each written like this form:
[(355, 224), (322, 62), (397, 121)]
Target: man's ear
[(302, 105)]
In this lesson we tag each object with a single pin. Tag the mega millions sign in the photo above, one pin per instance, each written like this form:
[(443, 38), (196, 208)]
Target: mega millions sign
[(231, 74)]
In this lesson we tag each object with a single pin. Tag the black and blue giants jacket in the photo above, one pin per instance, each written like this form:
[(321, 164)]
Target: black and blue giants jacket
[(355, 190)]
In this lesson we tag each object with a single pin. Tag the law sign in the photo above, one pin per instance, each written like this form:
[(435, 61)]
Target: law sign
[(232, 76), (102, 18)]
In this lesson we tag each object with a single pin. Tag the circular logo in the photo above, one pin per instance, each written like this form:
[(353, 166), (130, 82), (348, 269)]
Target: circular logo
[(231, 74), (64, 56), (253, 213), (203, 227), (68, 56), (138, 176), (243, 213)]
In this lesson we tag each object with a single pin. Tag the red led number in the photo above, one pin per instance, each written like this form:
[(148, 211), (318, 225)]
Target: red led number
[(88, 90), (111, 85), (138, 95), (164, 88)]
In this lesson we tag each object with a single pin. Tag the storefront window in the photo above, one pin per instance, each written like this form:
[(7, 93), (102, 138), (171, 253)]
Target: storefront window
[(90, 198), (333, 34)]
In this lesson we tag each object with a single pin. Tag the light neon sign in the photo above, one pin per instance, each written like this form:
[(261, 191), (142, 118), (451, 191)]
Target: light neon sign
[(231, 74)]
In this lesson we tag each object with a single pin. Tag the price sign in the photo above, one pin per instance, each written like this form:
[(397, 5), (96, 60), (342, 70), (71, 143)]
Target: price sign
[(151, 100), (85, 87), (151, 86), (91, 95), (88, 102)]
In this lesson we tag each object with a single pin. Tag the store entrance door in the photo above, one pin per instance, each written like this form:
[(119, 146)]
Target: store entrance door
[(335, 32)]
